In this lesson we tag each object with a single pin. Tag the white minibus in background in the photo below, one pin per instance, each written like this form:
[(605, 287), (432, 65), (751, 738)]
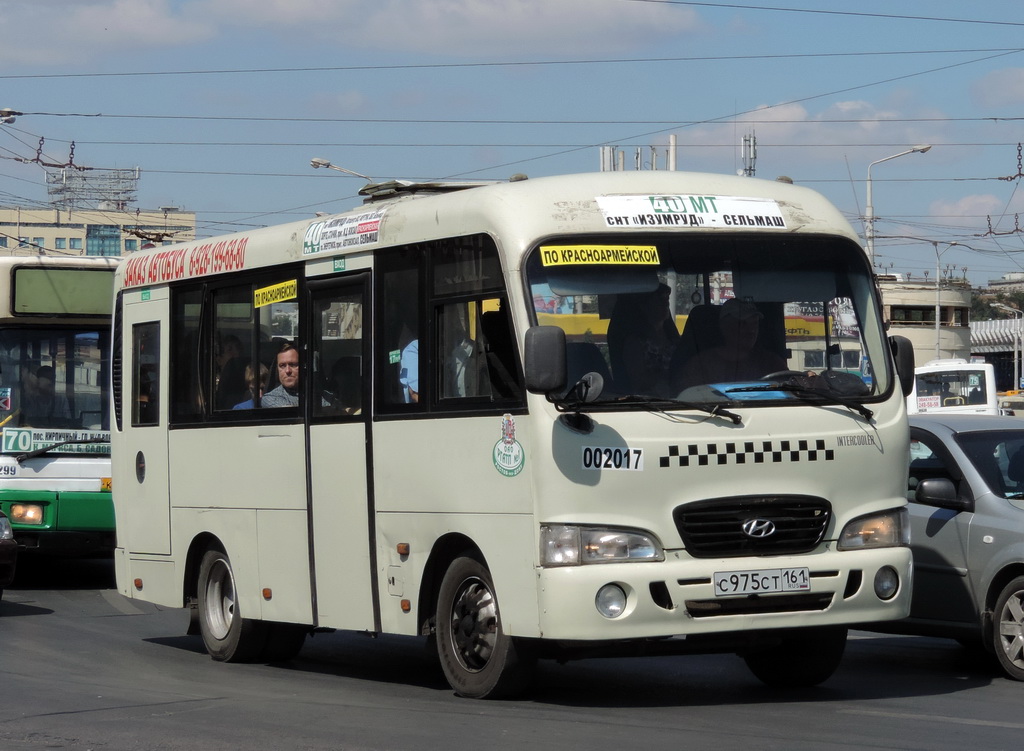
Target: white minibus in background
[(54, 403), (546, 418), (954, 386)]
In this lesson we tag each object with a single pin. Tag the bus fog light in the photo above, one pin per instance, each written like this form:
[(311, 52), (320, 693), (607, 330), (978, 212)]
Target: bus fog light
[(887, 583), (610, 601), (26, 513)]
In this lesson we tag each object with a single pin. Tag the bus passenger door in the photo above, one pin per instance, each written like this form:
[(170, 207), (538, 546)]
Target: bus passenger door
[(144, 509), (341, 515)]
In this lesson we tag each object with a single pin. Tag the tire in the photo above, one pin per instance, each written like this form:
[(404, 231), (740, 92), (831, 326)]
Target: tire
[(1008, 629), (227, 635), (806, 657), (478, 659)]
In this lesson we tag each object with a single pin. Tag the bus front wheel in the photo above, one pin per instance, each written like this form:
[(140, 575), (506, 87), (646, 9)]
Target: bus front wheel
[(479, 660), (227, 635)]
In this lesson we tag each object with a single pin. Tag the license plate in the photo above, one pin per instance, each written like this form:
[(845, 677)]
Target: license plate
[(762, 581)]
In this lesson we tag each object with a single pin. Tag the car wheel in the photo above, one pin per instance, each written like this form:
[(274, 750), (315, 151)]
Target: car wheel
[(805, 657), (1008, 629), (227, 635), (478, 658)]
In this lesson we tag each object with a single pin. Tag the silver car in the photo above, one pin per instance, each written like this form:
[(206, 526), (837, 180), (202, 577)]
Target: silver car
[(966, 488)]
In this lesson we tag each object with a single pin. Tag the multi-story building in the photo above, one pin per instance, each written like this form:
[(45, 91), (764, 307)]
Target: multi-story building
[(91, 232), (910, 307)]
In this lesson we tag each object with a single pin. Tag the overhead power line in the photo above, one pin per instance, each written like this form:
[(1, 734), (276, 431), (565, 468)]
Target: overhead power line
[(498, 64), (817, 11)]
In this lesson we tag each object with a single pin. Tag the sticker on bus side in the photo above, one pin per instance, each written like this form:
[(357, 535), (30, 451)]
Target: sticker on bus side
[(621, 458), (606, 255), (508, 455), (690, 211), (275, 293)]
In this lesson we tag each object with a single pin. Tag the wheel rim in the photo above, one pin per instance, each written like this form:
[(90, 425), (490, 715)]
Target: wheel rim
[(1011, 629), (220, 600), (474, 624)]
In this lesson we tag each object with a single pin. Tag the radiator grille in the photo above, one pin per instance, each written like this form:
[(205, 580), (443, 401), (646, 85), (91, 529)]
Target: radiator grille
[(775, 525)]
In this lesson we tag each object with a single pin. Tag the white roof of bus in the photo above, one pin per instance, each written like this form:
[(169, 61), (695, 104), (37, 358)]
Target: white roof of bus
[(517, 213)]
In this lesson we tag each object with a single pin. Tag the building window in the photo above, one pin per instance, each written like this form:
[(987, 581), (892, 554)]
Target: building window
[(60, 243), (3, 241), (131, 245), (75, 243), (38, 242)]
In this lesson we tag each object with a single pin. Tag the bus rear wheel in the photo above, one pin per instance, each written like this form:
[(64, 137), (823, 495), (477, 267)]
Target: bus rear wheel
[(479, 660), (805, 657), (227, 635)]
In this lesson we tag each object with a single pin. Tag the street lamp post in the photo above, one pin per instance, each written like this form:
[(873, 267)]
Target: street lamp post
[(869, 211), (317, 162), (1018, 339), (938, 290)]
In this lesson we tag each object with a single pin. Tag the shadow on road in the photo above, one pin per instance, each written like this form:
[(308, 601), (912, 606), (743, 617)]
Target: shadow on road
[(44, 572)]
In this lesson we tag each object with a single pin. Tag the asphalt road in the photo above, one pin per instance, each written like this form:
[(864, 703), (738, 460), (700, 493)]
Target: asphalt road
[(83, 668)]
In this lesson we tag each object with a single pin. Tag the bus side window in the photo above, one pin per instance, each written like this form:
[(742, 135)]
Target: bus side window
[(145, 374), (337, 353), (400, 296)]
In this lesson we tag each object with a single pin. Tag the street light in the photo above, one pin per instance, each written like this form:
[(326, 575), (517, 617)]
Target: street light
[(869, 211), (938, 303), (1018, 339), (317, 162)]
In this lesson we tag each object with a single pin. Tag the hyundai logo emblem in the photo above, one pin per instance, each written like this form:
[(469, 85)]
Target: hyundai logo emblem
[(758, 528)]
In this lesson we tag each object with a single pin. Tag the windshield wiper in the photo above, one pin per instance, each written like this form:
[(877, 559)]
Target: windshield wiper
[(47, 449), (808, 394), (660, 404)]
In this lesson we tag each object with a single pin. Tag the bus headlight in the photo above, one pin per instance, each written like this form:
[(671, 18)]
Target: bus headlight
[(572, 545), (26, 513), (888, 529), (6, 533)]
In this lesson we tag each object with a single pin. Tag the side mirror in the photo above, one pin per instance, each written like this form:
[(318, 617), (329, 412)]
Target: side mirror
[(941, 492), (903, 356), (544, 359)]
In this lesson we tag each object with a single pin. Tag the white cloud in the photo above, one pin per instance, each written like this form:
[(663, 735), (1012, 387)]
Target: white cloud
[(1000, 88), (49, 32), (461, 28), (57, 32), (978, 205)]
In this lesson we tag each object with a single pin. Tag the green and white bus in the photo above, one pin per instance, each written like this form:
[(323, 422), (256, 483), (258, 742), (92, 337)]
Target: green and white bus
[(55, 318), (466, 434)]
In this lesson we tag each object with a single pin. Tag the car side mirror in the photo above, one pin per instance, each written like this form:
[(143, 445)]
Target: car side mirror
[(941, 492), (903, 357), (544, 359)]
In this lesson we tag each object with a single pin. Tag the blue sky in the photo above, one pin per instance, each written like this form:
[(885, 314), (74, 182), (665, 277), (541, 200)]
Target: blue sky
[(222, 103)]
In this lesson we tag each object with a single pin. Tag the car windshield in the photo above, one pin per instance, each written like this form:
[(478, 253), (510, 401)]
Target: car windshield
[(998, 455), (713, 320)]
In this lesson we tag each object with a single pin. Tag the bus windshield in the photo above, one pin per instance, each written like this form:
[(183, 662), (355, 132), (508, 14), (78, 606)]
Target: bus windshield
[(54, 378), (711, 319)]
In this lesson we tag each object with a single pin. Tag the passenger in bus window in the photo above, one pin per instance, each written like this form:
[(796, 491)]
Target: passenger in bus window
[(255, 389), (231, 375), (738, 356), (286, 394), (642, 339), (41, 405), (409, 375)]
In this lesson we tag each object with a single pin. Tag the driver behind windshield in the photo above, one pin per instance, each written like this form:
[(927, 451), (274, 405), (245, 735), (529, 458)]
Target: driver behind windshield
[(737, 356)]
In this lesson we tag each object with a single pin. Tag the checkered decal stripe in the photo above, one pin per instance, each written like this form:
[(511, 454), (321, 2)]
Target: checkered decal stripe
[(748, 452)]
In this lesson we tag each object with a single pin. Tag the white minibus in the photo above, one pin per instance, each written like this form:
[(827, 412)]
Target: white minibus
[(560, 417)]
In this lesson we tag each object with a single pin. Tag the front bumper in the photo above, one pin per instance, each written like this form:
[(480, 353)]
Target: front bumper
[(676, 597)]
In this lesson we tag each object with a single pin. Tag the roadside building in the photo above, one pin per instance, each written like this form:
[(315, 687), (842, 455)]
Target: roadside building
[(91, 231)]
